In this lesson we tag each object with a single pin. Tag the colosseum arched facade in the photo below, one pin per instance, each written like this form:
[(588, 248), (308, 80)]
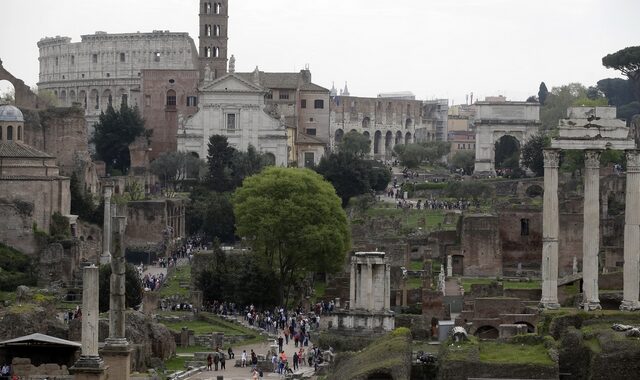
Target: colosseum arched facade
[(386, 121), (107, 68)]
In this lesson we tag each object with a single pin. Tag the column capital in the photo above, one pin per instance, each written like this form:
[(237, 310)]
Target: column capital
[(633, 160), (592, 158), (551, 157)]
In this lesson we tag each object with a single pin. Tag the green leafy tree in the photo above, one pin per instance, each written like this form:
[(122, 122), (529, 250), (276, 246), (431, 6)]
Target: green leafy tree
[(619, 91), (411, 155), (468, 190), (465, 160), (16, 269), (355, 144), (532, 156), (627, 61), (82, 204), (211, 213), (246, 164), (558, 101), (294, 221), (174, 168), (114, 132), (133, 287), (543, 93), (349, 175), (219, 158)]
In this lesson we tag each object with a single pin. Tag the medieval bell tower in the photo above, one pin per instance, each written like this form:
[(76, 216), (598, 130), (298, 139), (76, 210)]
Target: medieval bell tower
[(214, 19)]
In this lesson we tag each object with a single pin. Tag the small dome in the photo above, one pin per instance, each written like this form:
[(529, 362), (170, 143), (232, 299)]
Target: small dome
[(10, 113)]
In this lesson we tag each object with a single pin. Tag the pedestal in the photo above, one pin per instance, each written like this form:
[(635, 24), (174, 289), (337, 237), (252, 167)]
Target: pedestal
[(89, 368), (118, 360)]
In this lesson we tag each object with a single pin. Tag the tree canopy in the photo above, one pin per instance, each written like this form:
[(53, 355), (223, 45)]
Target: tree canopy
[(465, 160), (352, 175), (114, 132), (412, 155), (294, 222), (543, 93), (532, 156), (132, 285), (355, 144), (211, 213), (627, 61), (228, 167), (174, 167)]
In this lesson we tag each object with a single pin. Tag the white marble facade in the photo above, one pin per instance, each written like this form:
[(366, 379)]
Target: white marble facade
[(233, 107)]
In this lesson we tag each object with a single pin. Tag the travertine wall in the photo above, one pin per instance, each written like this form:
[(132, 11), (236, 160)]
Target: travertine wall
[(105, 68), (147, 220)]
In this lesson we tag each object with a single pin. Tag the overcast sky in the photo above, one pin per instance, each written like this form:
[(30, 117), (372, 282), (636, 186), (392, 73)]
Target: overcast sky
[(433, 48)]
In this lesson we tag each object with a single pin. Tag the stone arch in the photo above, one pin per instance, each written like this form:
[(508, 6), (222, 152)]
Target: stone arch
[(377, 140), (23, 96), (399, 139), (531, 329), (339, 135), (270, 159), (72, 97), (366, 121), (107, 99), (487, 332), (506, 152), (407, 138), (534, 191), (353, 130), (368, 136), (408, 123), (388, 142), (82, 98), (63, 98), (194, 154), (123, 97), (10, 133)]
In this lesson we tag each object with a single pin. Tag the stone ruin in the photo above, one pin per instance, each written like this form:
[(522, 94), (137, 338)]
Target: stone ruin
[(370, 295)]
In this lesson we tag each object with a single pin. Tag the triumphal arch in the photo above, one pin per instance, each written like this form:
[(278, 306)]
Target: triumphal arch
[(591, 130)]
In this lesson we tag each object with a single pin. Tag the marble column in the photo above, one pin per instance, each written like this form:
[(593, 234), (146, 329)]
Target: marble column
[(632, 234), (591, 230), (550, 231), (117, 352), (387, 286), (90, 365), (117, 305), (382, 149), (352, 285), (368, 303), (449, 266), (105, 258)]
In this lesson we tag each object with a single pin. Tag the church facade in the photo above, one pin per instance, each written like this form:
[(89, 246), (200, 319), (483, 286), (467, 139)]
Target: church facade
[(234, 107)]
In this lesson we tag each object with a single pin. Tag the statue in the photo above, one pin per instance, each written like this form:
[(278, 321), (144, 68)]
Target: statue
[(232, 64)]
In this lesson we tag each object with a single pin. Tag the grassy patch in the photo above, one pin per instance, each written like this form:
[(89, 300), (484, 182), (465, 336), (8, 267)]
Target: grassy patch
[(467, 282), (172, 285), (414, 283), (415, 265), (210, 323), (493, 352), (320, 288), (593, 344), (176, 363), (411, 218)]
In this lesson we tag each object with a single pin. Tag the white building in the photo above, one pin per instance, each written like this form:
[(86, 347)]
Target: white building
[(233, 107)]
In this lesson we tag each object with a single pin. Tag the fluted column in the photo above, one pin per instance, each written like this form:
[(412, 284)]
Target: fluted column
[(352, 285), (591, 230), (550, 231), (105, 258), (387, 286), (369, 286), (632, 233)]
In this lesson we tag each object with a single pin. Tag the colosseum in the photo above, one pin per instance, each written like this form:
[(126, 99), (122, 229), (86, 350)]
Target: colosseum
[(105, 69)]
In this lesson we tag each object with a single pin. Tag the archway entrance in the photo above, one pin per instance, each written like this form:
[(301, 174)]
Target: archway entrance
[(377, 140), (388, 143), (457, 265), (507, 154), (339, 136), (7, 91)]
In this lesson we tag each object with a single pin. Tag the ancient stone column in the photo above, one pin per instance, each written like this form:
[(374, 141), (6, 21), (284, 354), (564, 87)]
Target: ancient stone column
[(449, 266), (105, 258), (116, 351), (632, 234), (387, 286), (550, 227), (368, 303), (90, 365), (352, 285), (591, 230)]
